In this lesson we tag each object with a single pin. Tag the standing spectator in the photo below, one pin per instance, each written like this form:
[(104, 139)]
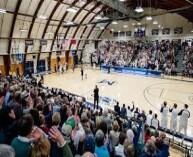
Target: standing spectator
[(119, 150), (174, 117), (123, 111), (114, 134), (184, 115), (96, 96), (100, 149), (22, 143), (117, 108), (164, 120)]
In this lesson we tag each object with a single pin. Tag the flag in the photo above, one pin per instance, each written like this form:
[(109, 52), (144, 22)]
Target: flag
[(73, 42), (64, 42)]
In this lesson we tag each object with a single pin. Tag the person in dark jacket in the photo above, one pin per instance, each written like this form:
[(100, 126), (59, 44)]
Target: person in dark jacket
[(123, 111), (7, 124), (117, 108)]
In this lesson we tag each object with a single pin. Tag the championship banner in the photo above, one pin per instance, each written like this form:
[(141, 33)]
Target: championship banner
[(64, 42), (43, 42), (73, 42), (29, 42)]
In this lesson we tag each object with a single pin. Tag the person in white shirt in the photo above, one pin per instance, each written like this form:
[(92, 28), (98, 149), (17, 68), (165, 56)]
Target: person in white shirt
[(149, 117), (119, 150), (130, 111), (164, 113), (155, 122), (184, 115), (174, 117)]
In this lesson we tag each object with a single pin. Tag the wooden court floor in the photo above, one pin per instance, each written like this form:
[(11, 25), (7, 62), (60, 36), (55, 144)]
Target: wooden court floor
[(148, 93)]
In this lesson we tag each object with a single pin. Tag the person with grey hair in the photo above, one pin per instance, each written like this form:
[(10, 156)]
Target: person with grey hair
[(6, 151), (100, 149), (150, 149)]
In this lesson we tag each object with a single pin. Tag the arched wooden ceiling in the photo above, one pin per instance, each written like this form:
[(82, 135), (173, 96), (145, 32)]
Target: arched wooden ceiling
[(163, 4), (24, 14)]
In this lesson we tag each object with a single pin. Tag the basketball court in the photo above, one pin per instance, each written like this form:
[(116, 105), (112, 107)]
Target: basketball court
[(148, 93)]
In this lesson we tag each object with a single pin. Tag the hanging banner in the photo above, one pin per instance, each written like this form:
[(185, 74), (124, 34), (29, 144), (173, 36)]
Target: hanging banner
[(64, 42), (43, 42), (29, 42), (73, 42)]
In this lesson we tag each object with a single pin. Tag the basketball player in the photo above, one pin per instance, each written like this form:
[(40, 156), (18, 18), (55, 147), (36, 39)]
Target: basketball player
[(174, 117), (184, 115), (164, 110)]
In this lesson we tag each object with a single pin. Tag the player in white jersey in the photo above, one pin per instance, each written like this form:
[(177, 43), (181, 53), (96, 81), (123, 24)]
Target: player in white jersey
[(174, 117), (155, 122), (164, 115), (184, 115), (149, 117)]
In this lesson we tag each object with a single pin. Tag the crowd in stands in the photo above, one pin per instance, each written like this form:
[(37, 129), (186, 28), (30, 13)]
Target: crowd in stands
[(38, 122), (188, 60), (155, 55)]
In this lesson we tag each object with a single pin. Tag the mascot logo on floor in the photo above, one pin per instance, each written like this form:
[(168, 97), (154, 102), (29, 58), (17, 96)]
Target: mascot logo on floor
[(107, 82)]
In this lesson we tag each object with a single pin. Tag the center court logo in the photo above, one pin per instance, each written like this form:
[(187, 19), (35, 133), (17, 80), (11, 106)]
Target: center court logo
[(107, 82)]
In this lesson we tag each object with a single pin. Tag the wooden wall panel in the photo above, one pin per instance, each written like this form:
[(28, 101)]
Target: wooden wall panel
[(62, 60), (2, 68), (53, 62), (20, 66), (70, 61)]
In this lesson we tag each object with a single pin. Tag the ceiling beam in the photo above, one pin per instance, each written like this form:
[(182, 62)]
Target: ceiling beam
[(76, 15), (58, 27), (31, 26), (104, 8), (47, 24), (116, 5), (13, 24), (83, 19)]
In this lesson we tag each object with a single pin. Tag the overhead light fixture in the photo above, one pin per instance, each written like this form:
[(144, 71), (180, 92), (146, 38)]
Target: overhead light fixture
[(98, 17), (155, 22), (69, 23), (189, 1), (122, 0), (149, 18), (125, 26), (114, 22), (133, 24), (119, 31), (3, 11), (112, 30), (139, 23), (139, 9), (159, 26), (71, 10), (23, 30), (43, 17), (191, 31)]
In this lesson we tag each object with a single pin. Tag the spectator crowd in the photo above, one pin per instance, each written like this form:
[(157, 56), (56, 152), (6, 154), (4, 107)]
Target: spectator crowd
[(188, 59), (41, 122), (155, 55)]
